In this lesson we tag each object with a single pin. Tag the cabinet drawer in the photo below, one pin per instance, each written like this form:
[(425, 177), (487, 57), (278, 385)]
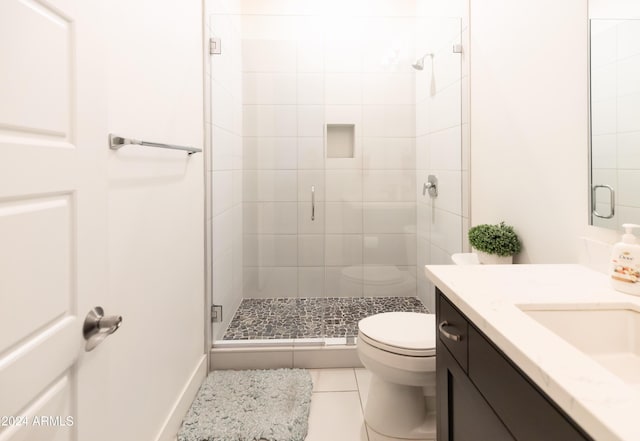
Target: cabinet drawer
[(453, 330), (528, 414)]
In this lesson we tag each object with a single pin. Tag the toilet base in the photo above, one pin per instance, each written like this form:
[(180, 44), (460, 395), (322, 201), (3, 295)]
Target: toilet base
[(399, 411)]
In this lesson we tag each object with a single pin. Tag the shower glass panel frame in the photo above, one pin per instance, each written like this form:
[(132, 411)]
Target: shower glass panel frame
[(307, 225)]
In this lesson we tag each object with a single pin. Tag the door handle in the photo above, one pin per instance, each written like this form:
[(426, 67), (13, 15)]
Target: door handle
[(97, 327), (313, 202), (612, 201)]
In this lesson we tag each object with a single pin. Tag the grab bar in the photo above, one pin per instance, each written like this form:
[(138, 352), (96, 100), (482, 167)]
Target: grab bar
[(313, 202), (117, 142)]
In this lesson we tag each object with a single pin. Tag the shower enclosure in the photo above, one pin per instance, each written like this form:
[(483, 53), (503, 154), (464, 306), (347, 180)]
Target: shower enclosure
[(324, 131)]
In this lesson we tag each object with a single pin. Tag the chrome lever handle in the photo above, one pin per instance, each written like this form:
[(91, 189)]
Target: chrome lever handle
[(97, 327), (449, 335), (431, 185), (313, 202)]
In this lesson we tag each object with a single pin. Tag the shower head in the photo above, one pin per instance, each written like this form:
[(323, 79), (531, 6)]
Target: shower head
[(419, 64)]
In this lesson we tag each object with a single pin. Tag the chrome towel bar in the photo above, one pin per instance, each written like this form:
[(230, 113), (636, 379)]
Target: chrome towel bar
[(116, 142)]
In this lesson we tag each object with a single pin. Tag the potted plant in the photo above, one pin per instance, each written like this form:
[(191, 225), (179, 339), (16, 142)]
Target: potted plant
[(494, 244)]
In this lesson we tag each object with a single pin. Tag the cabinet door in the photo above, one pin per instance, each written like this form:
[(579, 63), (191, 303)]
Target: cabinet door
[(463, 415)]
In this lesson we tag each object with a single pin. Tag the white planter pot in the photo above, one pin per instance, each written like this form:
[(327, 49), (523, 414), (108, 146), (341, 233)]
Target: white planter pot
[(493, 259)]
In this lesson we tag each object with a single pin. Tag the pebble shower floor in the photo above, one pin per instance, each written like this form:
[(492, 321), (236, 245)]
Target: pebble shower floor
[(314, 317)]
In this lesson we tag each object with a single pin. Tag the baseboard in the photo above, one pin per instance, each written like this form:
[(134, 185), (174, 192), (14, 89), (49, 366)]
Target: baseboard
[(181, 406)]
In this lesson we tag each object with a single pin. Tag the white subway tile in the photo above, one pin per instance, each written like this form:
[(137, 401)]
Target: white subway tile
[(389, 249), (603, 82), (310, 121), (270, 218), (310, 250), (270, 282), (222, 144), (343, 281), (389, 153), (389, 185), (629, 113), (343, 249), (268, 55), (311, 153), (388, 88), (223, 226), (269, 88), (446, 231), (311, 281), (445, 149), (310, 55), (627, 149), (222, 191), (278, 153), (344, 185), (629, 183), (389, 217), (275, 120), (628, 39), (343, 88), (389, 121), (344, 217), (270, 250), (310, 88), (270, 186), (603, 117), (604, 151)]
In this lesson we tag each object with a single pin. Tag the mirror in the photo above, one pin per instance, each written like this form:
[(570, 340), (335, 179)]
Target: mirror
[(615, 121)]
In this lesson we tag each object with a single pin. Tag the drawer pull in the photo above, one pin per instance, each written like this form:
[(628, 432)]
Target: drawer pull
[(449, 335)]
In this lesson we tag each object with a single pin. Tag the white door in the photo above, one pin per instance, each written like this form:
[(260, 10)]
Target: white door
[(52, 220)]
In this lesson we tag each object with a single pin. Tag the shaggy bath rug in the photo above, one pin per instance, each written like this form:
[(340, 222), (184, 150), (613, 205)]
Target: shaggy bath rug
[(255, 405)]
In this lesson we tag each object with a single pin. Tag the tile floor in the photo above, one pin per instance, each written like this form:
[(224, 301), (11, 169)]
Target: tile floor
[(337, 406)]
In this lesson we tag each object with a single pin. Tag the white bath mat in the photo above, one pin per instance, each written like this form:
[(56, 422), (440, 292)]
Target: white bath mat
[(252, 405)]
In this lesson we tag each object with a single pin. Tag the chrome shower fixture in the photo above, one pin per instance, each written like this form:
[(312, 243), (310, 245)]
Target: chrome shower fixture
[(419, 64)]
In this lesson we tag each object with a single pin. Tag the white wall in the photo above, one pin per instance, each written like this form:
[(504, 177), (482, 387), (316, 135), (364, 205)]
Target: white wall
[(156, 214), (529, 122)]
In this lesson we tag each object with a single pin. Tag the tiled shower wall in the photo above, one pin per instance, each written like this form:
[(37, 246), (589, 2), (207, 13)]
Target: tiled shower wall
[(223, 83), (615, 96), (307, 64)]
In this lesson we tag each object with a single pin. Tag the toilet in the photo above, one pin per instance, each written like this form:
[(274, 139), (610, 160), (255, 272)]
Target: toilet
[(399, 349)]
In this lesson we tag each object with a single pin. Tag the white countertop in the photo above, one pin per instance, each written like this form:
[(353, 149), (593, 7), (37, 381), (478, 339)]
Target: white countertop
[(602, 404)]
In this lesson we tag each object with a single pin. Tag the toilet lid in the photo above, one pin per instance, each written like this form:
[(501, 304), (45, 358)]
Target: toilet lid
[(404, 331)]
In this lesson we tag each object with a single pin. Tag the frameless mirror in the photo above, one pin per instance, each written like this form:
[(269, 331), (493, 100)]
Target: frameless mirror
[(615, 121)]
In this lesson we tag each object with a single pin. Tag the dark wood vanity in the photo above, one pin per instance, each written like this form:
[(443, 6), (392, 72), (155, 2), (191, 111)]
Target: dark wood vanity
[(482, 395)]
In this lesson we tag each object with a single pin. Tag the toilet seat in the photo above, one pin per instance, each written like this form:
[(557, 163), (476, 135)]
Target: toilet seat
[(402, 333)]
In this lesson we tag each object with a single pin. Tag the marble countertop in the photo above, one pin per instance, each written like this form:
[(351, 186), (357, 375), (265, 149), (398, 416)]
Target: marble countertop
[(601, 403)]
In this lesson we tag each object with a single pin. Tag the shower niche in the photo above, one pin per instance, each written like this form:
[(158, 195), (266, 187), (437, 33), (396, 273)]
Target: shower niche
[(340, 140)]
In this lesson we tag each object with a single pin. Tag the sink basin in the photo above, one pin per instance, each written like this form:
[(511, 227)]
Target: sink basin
[(609, 334)]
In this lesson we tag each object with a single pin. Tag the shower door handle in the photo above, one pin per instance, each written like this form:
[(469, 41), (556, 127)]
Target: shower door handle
[(612, 201), (313, 202)]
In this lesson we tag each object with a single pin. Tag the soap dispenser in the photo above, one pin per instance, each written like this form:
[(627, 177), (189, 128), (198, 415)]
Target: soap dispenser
[(625, 263)]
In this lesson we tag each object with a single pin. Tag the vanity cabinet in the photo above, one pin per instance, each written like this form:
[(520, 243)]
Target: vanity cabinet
[(482, 395)]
